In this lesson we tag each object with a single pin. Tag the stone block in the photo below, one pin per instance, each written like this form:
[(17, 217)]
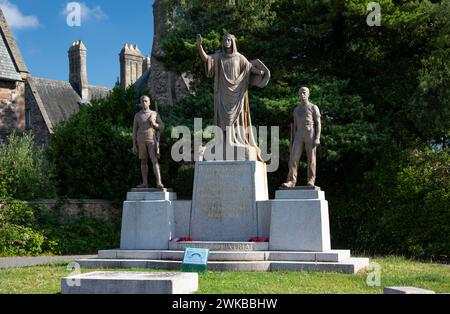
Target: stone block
[(333, 256), (264, 209), (224, 200), (300, 194), (350, 266), (406, 290), (130, 283), (150, 196), (182, 214), (147, 225), (300, 225)]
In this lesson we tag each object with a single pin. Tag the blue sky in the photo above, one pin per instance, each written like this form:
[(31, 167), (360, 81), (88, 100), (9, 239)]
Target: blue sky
[(43, 36)]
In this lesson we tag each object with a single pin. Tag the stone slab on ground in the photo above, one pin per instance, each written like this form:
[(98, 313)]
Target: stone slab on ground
[(406, 290), (130, 283)]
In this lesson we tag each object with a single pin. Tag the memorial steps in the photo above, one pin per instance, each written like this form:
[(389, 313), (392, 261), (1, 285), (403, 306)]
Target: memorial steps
[(251, 257)]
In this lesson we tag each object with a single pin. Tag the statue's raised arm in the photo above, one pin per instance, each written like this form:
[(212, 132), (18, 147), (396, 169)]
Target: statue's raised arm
[(201, 51)]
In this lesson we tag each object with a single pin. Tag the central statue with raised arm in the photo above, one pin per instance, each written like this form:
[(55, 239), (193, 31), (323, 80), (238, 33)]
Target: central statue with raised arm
[(232, 73)]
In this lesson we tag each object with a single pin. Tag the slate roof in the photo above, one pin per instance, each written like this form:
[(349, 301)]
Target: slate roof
[(61, 100), (8, 70), (12, 45), (97, 92)]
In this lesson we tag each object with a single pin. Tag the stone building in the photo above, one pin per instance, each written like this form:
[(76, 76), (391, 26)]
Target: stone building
[(49, 102), (13, 75), (165, 87), (34, 104)]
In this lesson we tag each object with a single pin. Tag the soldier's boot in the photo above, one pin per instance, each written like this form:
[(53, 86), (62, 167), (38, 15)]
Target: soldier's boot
[(289, 184), (311, 183)]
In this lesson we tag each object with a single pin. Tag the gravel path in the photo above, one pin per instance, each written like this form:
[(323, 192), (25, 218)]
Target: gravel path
[(13, 262)]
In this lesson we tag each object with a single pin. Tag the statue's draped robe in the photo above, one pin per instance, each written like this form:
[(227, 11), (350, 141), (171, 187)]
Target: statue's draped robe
[(231, 73)]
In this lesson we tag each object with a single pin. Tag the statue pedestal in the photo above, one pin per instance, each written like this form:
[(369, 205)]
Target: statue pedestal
[(147, 220), (299, 221), (224, 200)]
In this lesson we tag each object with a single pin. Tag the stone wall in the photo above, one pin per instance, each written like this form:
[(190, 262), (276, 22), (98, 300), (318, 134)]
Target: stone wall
[(101, 209), (12, 108)]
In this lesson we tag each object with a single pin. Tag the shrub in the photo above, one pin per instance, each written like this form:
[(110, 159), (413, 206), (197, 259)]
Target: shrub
[(402, 207), (92, 150), (24, 171), (17, 233), (79, 234), (32, 230)]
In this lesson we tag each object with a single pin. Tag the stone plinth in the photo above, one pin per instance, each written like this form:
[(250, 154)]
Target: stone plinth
[(224, 200), (130, 283), (299, 221), (406, 290), (147, 221), (141, 196)]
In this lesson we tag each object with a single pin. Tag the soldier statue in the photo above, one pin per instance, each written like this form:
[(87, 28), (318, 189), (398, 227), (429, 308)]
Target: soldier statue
[(305, 133), (147, 126)]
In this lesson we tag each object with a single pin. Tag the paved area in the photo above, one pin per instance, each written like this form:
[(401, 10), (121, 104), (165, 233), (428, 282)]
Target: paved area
[(13, 262)]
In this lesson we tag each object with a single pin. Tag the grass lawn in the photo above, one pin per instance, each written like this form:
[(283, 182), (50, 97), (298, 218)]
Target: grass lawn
[(395, 271)]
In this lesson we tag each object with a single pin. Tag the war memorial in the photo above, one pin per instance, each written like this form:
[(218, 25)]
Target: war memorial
[(261, 147), (230, 204)]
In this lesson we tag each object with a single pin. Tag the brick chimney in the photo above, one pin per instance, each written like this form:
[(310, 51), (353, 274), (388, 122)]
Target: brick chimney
[(78, 69), (131, 65)]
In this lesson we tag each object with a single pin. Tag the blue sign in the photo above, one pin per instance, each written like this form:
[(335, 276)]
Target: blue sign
[(195, 259)]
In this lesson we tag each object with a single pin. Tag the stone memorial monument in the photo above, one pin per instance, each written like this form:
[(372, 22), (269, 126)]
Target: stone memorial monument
[(230, 213), (226, 189)]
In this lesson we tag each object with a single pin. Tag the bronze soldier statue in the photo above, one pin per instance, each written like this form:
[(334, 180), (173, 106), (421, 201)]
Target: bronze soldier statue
[(305, 133), (146, 132)]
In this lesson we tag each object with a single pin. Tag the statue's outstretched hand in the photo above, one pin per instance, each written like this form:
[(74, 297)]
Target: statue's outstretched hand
[(316, 143), (199, 40)]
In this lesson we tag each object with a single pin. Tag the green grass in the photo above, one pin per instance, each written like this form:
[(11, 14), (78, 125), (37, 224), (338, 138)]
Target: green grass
[(395, 272)]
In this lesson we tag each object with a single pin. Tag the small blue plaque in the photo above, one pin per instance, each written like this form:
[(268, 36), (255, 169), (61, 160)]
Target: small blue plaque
[(195, 260)]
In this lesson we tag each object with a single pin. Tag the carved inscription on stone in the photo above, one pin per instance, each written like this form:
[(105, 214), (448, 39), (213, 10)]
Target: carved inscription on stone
[(221, 195)]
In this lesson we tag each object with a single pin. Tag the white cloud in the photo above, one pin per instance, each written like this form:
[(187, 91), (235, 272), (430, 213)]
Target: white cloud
[(95, 13), (15, 17)]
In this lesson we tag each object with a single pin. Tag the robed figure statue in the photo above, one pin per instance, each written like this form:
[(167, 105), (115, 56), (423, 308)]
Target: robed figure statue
[(232, 73)]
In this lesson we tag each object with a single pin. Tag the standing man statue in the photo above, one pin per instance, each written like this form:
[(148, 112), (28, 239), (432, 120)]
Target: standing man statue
[(305, 133), (232, 73), (147, 126)]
